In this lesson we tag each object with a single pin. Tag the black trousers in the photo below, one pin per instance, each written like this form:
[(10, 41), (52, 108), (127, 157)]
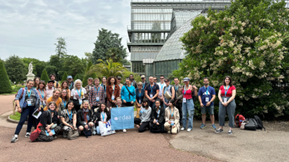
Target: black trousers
[(179, 107), (128, 104), (143, 125)]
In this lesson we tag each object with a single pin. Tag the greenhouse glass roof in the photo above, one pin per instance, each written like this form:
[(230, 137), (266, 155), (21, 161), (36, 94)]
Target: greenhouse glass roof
[(172, 49)]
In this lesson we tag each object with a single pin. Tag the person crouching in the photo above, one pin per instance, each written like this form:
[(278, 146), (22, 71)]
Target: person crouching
[(172, 118), (84, 119)]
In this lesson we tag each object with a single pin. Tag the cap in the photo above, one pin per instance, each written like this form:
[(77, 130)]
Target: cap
[(69, 77), (50, 81), (186, 79), (143, 76)]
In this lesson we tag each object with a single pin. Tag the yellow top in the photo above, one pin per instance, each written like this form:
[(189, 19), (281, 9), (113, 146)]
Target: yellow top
[(58, 102)]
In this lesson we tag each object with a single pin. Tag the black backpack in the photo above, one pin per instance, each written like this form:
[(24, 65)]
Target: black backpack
[(259, 123)]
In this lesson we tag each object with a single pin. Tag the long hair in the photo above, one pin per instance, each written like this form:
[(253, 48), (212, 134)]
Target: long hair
[(63, 83), (229, 79), (145, 101), (84, 103), (41, 82), (35, 81), (66, 98), (108, 81), (99, 109), (50, 103), (68, 104), (77, 80)]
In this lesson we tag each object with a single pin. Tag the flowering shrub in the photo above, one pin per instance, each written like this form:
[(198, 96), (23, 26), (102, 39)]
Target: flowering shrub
[(249, 42)]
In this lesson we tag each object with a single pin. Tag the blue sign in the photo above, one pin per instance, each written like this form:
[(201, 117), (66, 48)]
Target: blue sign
[(122, 118)]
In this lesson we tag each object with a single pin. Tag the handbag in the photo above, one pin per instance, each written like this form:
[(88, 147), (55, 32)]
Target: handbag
[(251, 125)]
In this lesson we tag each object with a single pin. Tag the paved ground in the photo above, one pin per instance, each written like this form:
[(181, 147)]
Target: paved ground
[(198, 145), (130, 146)]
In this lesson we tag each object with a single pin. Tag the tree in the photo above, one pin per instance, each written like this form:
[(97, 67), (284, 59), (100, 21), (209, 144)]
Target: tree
[(51, 70), (107, 68), (86, 76), (76, 77), (60, 47), (64, 77), (38, 65), (5, 86), (44, 76), (106, 40), (15, 69), (249, 42), (74, 65)]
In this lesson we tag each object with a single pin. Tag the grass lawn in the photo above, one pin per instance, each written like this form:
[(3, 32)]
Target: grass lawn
[(8, 93), (16, 116)]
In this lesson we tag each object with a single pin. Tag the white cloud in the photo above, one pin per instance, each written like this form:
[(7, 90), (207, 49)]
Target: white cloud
[(30, 28)]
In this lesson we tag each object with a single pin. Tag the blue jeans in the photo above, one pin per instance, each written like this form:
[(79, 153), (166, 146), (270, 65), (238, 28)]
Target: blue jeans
[(188, 108), (230, 109), (152, 104), (25, 112), (167, 101)]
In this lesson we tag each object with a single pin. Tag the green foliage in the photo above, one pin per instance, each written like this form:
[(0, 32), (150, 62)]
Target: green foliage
[(86, 76), (15, 69), (51, 70), (77, 77), (73, 65), (127, 73), (16, 116), (60, 48), (107, 68), (44, 76), (108, 44), (5, 86), (249, 42), (64, 77), (38, 65)]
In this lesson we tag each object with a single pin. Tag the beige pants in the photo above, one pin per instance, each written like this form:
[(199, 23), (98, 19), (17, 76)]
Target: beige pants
[(168, 128)]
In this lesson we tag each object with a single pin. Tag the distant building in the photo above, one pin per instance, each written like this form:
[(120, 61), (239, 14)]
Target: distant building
[(156, 26)]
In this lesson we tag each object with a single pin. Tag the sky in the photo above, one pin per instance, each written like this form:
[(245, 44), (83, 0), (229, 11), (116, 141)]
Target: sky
[(29, 28)]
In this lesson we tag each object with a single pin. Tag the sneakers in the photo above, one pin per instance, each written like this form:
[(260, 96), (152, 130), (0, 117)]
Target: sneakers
[(14, 139), (182, 128), (214, 127), (189, 129), (27, 134), (203, 126), (124, 130), (219, 130), (230, 132)]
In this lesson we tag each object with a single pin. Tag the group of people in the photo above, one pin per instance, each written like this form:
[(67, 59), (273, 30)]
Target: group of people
[(161, 107)]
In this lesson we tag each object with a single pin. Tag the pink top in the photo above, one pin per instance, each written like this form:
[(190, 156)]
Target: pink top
[(187, 94)]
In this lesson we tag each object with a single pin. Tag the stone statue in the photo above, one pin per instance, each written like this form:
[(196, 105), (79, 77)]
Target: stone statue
[(30, 75)]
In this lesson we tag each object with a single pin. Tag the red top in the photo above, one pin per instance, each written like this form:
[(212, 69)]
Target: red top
[(229, 92), (188, 94)]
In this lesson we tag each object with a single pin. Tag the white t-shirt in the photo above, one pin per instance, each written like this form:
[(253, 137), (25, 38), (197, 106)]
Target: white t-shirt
[(161, 86), (49, 92), (75, 95)]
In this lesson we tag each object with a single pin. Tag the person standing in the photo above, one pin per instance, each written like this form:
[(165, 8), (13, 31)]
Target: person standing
[(206, 97), (70, 82), (133, 82), (88, 87), (103, 84), (140, 92), (151, 92), (226, 95), (170, 89), (49, 88), (77, 94), (64, 85), (143, 80), (56, 84), (27, 101), (36, 82), (112, 91), (172, 118), (161, 84), (96, 95), (42, 93), (128, 93), (155, 80), (178, 96), (119, 82), (188, 104)]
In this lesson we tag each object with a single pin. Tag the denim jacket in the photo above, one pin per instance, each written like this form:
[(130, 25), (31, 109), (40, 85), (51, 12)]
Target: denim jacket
[(22, 101)]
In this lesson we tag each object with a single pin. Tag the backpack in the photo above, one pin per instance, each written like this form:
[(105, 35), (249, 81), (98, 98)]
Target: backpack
[(259, 123), (239, 119), (251, 124)]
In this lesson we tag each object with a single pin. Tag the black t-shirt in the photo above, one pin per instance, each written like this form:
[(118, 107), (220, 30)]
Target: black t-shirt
[(152, 89)]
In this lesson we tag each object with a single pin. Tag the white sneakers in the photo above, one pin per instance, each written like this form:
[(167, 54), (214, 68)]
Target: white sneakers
[(182, 128), (124, 130), (189, 129), (27, 134)]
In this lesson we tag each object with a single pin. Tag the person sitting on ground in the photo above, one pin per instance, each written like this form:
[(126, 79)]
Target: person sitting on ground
[(27, 101), (65, 98), (84, 118), (68, 118), (77, 94), (70, 82), (64, 85), (112, 92), (157, 118), (143, 122), (49, 124), (172, 118), (56, 98), (49, 88), (102, 115)]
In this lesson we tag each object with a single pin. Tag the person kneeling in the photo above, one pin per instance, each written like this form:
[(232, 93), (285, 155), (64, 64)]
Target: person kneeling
[(144, 117), (68, 118), (84, 119), (48, 124), (157, 118), (172, 118), (102, 115)]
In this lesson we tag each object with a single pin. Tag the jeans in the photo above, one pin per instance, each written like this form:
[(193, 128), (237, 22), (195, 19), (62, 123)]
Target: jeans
[(152, 104), (167, 101), (188, 108), (25, 112), (230, 109)]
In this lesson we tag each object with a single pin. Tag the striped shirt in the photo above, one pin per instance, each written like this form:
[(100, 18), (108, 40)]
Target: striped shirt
[(94, 93)]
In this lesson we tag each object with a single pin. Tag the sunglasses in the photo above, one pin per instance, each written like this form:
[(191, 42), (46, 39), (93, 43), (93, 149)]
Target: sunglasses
[(162, 78)]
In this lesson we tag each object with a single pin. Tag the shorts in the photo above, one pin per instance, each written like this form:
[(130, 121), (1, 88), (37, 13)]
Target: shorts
[(210, 110)]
